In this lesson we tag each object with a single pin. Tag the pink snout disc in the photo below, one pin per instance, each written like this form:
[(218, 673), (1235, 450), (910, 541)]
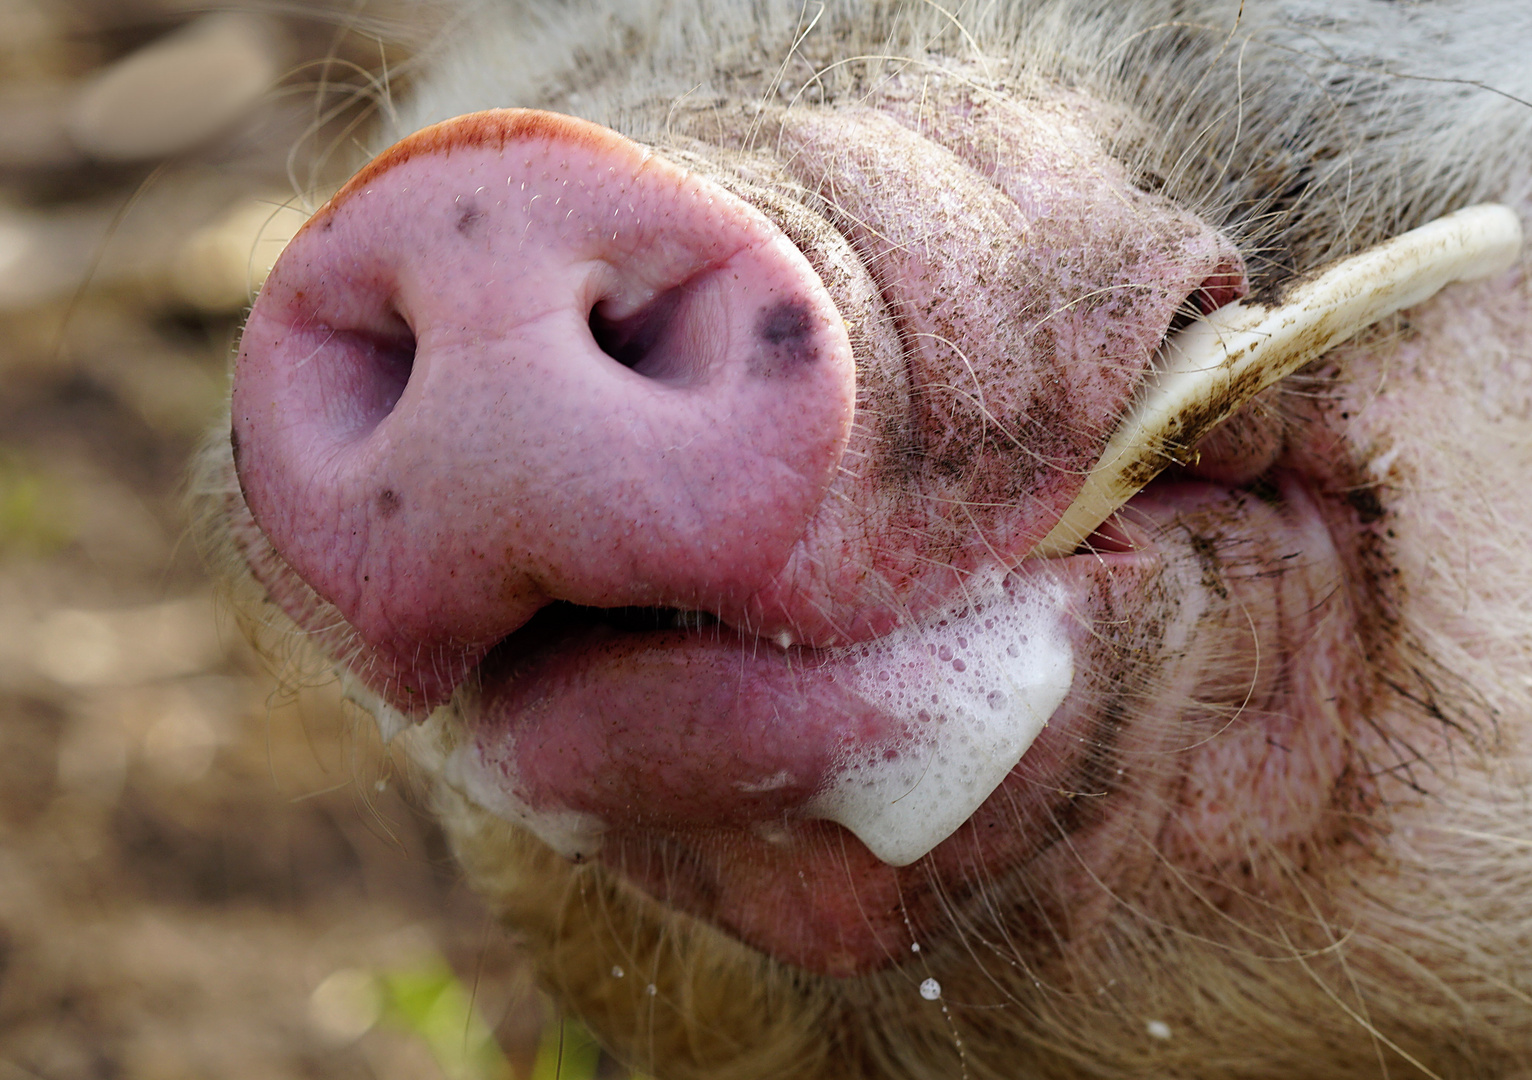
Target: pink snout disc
[(520, 358)]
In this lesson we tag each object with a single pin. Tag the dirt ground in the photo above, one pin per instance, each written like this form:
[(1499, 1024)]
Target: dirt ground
[(205, 870)]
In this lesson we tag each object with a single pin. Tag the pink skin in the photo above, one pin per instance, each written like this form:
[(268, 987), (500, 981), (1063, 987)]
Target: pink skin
[(809, 446)]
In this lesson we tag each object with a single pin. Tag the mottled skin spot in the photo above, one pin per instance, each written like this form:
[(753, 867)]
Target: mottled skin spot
[(787, 331), (786, 323), (469, 221)]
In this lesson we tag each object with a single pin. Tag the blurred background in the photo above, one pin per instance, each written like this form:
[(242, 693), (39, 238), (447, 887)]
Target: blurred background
[(205, 870)]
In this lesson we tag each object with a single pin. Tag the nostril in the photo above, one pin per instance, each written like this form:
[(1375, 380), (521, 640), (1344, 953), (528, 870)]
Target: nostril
[(638, 340), (388, 363), (674, 337), (367, 371)]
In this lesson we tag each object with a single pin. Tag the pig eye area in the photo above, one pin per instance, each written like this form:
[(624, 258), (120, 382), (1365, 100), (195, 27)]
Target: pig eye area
[(648, 341)]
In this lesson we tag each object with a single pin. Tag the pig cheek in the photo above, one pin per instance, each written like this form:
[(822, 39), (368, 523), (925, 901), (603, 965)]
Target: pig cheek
[(1029, 321), (1197, 768), (1274, 772)]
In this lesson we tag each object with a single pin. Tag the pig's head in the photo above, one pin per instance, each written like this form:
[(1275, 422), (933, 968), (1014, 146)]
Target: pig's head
[(681, 495)]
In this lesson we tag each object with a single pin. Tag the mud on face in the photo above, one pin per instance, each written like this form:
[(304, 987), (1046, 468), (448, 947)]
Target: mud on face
[(715, 454)]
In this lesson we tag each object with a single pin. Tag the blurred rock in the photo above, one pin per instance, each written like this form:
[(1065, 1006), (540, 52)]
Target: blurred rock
[(127, 646), (32, 118), (33, 43), (178, 92), (192, 238), (346, 1005)]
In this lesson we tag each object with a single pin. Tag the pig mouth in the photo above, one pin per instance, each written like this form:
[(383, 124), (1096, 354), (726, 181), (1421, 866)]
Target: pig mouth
[(863, 701), (834, 807)]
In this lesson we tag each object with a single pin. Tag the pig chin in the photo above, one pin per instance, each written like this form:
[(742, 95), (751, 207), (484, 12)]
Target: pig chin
[(732, 593)]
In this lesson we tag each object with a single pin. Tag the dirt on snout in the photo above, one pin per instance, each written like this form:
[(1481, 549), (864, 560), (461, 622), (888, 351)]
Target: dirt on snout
[(205, 870)]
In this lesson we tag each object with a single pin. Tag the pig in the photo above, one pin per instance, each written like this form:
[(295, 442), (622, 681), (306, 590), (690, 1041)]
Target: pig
[(670, 436)]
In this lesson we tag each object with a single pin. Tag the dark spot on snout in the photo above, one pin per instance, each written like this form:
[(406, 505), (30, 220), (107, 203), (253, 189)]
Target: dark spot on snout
[(389, 502), (469, 220), (786, 323), (786, 331)]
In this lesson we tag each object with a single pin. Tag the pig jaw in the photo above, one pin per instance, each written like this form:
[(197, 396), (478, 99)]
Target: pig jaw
[(893, 535)]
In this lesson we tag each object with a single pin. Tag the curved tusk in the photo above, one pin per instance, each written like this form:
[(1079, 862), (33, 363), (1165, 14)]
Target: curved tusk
[(1214, 366)]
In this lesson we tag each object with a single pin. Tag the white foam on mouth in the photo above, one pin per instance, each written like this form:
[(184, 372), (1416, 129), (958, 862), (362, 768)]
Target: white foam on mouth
[(574, 835), (487, 782), (976, 686)]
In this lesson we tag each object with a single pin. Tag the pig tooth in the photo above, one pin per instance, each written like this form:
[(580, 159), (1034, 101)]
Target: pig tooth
[(1207, 371)]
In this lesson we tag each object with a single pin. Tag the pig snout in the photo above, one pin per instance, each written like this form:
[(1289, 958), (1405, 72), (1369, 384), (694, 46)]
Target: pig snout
[(520, 359)]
